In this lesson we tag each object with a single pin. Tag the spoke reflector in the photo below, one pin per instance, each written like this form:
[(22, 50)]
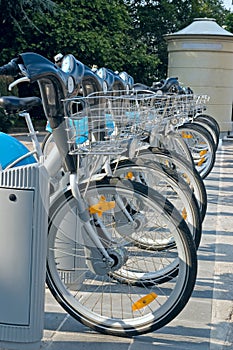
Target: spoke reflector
[(184, 214), (129, 175), (187, 178), (101, 206), (202, 153), (144, 301), (201, 161), (186, 136)]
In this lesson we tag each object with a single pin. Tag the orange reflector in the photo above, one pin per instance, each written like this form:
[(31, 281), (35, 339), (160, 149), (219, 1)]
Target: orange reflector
[(201, 161), (186, 136), (184, 214), (101, 206), (187, 178), (202, 153), (129, 175), (144, 301)]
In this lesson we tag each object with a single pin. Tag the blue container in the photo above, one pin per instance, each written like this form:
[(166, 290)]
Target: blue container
[(11, 149), (81, 126)]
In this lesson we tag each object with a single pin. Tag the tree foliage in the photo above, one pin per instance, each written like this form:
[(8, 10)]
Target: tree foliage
[(229, 22), (99, 32), (120, 34), (155, 18), (14, 16)]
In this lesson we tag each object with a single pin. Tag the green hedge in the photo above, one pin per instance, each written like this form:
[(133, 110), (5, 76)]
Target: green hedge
[(6, 121)]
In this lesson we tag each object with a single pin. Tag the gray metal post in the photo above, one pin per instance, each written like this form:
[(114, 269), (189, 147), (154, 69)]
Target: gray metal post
[(23, 236)]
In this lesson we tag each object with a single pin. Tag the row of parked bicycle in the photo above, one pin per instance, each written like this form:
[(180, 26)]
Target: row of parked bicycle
[(126, 164)]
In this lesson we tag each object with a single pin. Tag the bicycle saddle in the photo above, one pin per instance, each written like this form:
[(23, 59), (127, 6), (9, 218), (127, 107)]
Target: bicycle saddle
[(13, 104), (167, 85)]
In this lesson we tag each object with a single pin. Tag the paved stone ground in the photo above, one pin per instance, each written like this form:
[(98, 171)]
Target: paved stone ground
[(222, 210)]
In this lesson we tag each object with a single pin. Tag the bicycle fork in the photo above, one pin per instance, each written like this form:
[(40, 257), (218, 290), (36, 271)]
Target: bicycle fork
[(97, 257), (103, 254)]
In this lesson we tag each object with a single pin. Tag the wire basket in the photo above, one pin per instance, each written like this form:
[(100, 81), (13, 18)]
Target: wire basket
[(104, 124), (168, 110), (201, 103), (177, 109)]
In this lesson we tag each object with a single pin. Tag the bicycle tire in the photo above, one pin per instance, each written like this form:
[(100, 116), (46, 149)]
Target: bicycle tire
[(111, 304), (211, 120), (45, 145), (175, 143), (169, 184), (199, 141), (210, 128), (182, 166)]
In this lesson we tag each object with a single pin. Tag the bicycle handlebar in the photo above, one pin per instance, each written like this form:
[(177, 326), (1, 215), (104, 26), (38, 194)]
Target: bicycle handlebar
[(10, 68), (16, 82)]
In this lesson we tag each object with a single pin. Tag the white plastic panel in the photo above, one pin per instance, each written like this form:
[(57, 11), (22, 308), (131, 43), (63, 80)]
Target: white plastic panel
[(16, 217)]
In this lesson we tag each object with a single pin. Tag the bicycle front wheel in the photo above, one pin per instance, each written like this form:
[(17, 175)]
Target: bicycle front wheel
[(186, 170), (147, 288), (169, 184), (201, 145), (210, 128), (210, 119), (47, 144)]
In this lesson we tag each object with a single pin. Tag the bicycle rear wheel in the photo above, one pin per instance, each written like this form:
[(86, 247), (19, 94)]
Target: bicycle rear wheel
[(147, 288)]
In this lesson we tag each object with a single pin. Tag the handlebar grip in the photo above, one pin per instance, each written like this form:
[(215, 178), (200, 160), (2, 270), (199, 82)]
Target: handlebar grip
[(10, 68)]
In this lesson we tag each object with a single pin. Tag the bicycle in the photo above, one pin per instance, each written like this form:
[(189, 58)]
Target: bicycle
[(102, 250)]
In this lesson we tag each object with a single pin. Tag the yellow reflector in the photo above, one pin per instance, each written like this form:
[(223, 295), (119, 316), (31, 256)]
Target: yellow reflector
[(144, 301), (202, 153), (187, 179), (184, 214), (129, 175), (101, 206), (186, 136), (201, 161)]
